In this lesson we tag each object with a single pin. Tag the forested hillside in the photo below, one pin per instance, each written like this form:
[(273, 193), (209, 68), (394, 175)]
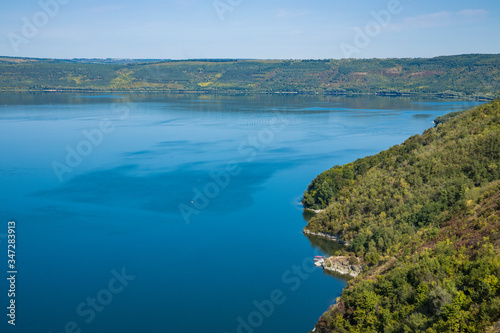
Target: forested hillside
[(477, 76), (424, 216)]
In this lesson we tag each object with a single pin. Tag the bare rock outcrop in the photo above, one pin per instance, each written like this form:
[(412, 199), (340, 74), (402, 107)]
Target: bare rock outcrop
[(343, 265)]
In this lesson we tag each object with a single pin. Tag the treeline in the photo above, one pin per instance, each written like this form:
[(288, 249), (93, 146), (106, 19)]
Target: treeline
[(454, 76), (425, 218)]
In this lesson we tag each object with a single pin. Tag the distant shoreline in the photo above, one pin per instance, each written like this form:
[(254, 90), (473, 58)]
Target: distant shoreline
[(462, 77), (255, 93)]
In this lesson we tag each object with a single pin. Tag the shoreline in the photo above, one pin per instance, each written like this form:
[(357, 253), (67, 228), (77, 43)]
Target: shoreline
[(343, 265), (334, 238), (440, 95), (338, 264), (317, 211)]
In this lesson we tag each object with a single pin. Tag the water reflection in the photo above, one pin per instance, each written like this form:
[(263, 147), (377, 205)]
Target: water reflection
[(326, 246), (308, 214), (337, 275)]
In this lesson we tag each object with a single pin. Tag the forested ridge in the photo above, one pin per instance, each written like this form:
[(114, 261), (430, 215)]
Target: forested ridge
[(424, 217), (472, 75)]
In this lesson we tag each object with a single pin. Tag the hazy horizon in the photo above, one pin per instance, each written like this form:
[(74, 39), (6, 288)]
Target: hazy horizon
[(240, 59), (235, 29)]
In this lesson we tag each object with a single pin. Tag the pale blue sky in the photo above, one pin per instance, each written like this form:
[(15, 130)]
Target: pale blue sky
[(183, 29)]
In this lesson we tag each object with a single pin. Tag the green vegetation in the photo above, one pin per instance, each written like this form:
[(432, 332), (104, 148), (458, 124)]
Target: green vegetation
[(476, 76), (424, 216)]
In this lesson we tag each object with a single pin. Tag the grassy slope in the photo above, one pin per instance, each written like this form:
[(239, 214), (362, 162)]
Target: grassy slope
[(477, 75), (425, 218)]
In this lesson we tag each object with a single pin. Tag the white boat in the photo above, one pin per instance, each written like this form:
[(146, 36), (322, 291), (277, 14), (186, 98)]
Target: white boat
[(318, 261)]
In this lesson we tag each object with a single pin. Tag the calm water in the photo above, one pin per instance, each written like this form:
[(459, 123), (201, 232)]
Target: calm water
[(194, 198)]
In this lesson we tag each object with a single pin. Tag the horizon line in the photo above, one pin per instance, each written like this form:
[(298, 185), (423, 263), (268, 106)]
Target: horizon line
[(247, 59)]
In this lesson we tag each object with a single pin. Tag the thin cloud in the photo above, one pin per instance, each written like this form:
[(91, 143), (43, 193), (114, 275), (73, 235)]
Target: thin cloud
[(424, 21), (473, 13), (440, 19)]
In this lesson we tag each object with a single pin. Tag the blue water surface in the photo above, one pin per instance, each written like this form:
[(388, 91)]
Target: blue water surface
[(154, 213)]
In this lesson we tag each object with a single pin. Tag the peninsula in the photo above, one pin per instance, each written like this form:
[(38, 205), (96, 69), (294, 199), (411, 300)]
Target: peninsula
[(424, 219)]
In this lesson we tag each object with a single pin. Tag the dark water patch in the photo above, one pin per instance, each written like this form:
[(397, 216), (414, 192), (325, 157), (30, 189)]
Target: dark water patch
[(128, 186), (422, 116), (326, 246)]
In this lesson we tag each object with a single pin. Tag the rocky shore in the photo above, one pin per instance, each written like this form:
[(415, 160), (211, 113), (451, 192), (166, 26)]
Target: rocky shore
[(343, 265), (327, 236)]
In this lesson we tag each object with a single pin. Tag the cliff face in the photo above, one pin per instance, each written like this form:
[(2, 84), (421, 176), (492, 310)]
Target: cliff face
[(425, 217)]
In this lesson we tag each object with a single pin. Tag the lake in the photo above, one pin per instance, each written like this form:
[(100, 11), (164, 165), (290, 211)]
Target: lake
[(161, 213)]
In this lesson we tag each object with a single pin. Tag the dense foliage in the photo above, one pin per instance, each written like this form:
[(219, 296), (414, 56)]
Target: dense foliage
[(465, 75), (425, 218), (446, 281)]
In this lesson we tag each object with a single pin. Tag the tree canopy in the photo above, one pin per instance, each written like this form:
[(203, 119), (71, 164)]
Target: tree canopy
[(425, 218), (472, 75)]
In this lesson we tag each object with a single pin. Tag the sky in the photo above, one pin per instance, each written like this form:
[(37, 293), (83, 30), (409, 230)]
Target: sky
[(249, 29)]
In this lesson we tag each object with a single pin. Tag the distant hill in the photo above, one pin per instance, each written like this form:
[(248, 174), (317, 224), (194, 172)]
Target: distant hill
[(459, 76), (81, 60), (424, 217)]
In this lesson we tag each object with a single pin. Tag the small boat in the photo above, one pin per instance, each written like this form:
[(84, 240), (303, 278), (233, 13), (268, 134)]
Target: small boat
[(318, 261)]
